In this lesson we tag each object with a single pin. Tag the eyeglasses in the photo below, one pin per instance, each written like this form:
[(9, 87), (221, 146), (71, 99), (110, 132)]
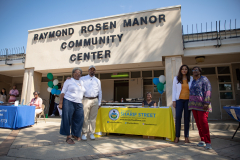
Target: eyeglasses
[(195, 70), (35, 94)]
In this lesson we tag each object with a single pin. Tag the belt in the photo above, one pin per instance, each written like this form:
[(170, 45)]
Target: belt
[(91, 97)]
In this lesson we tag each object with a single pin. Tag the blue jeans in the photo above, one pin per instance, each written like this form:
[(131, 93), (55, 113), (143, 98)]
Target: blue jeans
[(55, 108), (72, 117), (181, 105)]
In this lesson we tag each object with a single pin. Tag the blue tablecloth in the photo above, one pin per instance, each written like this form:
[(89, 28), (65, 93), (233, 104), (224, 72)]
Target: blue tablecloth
[(16, 116), (234, 112)]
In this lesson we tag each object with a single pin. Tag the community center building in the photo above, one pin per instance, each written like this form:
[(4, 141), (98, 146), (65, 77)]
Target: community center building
[(128, 51)]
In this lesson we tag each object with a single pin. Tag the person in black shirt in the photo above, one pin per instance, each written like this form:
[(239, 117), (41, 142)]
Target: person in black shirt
[(149, 101)]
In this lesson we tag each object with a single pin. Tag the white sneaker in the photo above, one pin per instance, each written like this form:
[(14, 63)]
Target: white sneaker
[(53, 115), (201, 144), (208, 146), (84, 137), (92, 137)]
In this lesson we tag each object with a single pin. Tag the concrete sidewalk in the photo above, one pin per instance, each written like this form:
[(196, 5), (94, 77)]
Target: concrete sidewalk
[(43, 141)]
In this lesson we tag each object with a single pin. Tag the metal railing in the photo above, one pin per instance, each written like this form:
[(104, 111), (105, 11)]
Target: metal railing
[(17, 53), (211, 33)]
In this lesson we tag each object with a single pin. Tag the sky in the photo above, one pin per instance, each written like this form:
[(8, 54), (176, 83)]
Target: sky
[(19, 16)]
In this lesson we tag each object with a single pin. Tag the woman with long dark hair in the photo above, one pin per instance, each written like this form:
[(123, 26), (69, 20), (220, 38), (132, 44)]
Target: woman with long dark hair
[(3, 95), (149, 101), (180, 97)]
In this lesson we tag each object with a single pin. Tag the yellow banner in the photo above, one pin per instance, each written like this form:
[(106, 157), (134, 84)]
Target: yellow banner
[(156, 122)]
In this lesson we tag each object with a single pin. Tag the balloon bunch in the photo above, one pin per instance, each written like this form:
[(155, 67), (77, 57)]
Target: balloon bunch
[(160, 83), (53, 85)]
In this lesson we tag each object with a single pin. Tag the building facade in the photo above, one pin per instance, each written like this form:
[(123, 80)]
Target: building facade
[(129, 50)]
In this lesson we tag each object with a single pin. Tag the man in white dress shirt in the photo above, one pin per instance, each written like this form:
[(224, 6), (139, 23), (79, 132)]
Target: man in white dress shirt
[(91, 102)]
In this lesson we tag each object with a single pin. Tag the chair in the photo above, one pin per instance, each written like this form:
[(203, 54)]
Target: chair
[(41, 114)]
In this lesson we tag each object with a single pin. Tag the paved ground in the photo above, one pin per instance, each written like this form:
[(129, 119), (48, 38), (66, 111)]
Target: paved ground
[(43, 141)]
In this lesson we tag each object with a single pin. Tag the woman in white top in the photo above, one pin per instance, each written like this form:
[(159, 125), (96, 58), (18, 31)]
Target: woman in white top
[(72, 107), (180, 98)]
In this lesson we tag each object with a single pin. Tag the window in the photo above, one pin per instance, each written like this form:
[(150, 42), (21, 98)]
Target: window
[(45, 79), (114, 75), (135, 74), (147, 81), (226, 95), (155, 89), (206, 71), (223, 70), (224, 79), (158, 73), (146, 73), (60, 78), (225, 87), (225, 83), (106, 75)]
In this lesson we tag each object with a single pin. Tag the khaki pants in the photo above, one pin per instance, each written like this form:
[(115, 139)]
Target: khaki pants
[(90, 108)]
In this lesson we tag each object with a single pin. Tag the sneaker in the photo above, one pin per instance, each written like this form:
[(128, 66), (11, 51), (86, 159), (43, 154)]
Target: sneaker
[(208, 146), (52, 115), (201, 144), (92, 137), (84, 137)]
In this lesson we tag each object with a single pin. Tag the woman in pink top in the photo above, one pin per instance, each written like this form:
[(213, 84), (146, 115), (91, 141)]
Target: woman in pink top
[(37, 102), (13, 94)]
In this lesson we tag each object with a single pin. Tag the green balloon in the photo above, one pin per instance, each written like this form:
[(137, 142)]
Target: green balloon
[(160, 86), (56, 87), (50, 76), (50, 84)]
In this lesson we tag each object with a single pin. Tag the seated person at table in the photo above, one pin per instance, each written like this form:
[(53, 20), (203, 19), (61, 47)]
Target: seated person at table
[(37, 102), (3, 95), (149, 102)]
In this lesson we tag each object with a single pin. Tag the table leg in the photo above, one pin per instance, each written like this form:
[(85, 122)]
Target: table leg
[(236, 130)]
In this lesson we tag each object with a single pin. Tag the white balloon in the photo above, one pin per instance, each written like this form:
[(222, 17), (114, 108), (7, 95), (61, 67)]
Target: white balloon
[(49, 89), (162, 79), (164, 89), (55, 82)]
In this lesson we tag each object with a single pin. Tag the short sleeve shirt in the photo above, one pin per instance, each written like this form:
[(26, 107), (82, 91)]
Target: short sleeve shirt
[(148, 104)]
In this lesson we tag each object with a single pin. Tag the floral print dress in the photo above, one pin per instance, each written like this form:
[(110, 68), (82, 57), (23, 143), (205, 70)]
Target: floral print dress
[(200, 94)]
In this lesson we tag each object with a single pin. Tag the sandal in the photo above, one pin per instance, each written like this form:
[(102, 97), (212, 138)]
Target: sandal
[(76, 138), (176, 140), (187, 140), (70, 141)]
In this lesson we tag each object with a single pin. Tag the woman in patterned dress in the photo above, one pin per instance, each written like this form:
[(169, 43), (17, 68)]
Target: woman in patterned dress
[(199, 103)]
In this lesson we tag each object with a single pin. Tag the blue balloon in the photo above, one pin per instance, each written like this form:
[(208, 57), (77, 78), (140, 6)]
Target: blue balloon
[(161, 92), (54, 91), (58, 92), (155, 81)]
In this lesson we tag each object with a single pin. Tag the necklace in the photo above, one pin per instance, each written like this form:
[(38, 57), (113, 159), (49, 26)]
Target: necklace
[(78, 82)]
